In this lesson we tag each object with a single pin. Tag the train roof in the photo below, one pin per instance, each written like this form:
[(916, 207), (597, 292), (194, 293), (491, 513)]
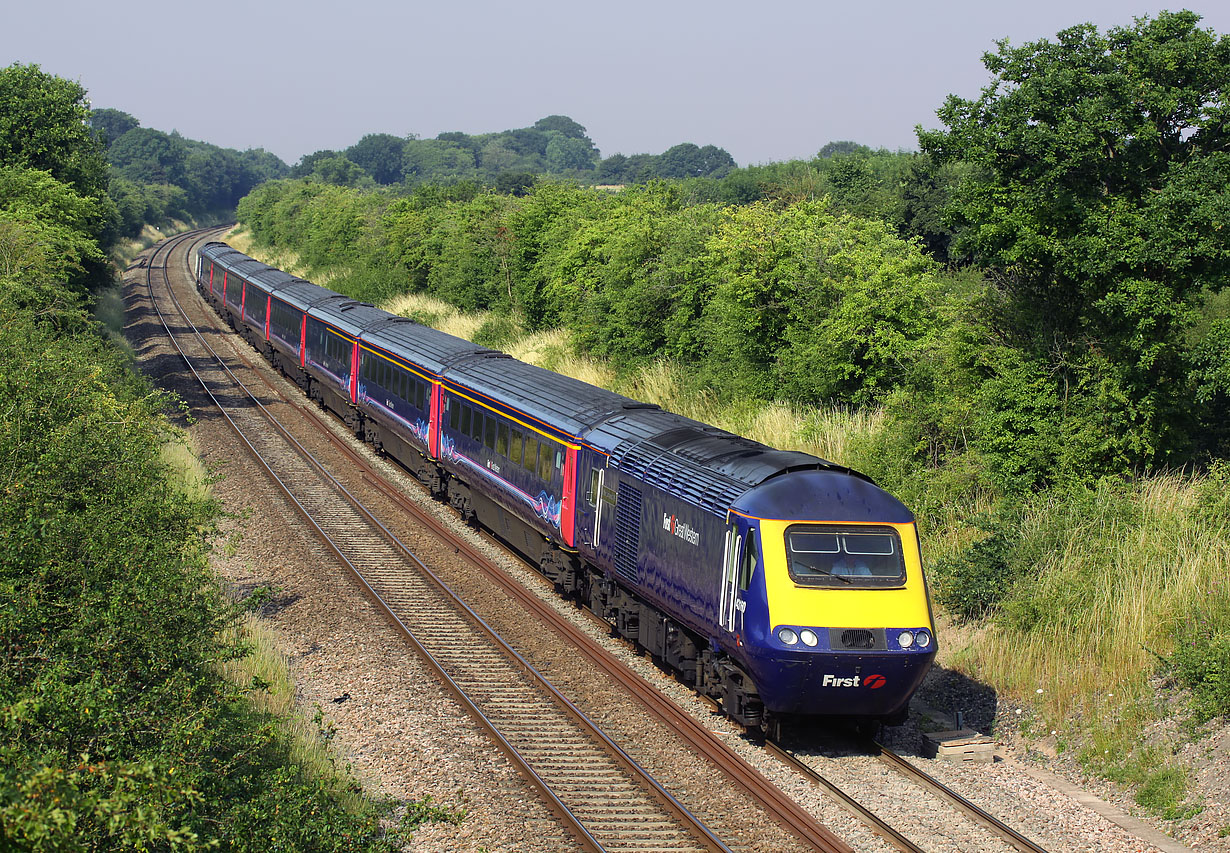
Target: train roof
[(564, 404), (822, 495), (246, 269), (349, 315), (703, 464), (222, 253), (420, 345), (273, 279), (303, 295), (231, 259)]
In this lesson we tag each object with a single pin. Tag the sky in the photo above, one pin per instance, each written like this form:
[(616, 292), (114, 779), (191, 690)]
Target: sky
[(770, 80)]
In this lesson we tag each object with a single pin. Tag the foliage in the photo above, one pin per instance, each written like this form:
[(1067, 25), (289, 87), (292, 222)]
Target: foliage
[(158, 177), (380, 155), (43, 125), (1201, 663), (148, 156), (628, 277), (815, 306), (1098, 180), (110, 125), (47, 230)]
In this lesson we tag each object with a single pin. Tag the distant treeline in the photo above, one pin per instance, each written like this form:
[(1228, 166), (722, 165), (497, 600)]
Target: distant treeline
[(156, 177), (509, 160)]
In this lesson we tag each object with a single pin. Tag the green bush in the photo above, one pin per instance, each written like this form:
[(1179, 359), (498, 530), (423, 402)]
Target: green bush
[(1201, 663), (972, 584), (117, 729)]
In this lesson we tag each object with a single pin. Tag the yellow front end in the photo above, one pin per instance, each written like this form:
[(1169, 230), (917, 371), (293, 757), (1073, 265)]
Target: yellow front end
[(845, 607)]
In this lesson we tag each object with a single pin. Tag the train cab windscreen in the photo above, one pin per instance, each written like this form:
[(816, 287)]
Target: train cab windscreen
[(825, 555)]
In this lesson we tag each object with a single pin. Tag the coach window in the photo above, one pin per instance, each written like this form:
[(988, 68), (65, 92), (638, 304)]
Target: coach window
[(514, 447), (477, 428), (546, 454), (501, 440), (464, 427), (530, 460), (454, 412), (489, 429), (591, 494)]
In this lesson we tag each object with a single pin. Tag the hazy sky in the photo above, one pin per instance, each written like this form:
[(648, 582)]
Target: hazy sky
[(768, 80)]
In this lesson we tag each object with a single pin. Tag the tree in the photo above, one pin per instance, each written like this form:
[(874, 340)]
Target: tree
[(307, 163), (110, 124), (842, 146), (688, 160), (817, 305), (562, 125), (1095, 201), (45, 228), (340, 172), (44, 125), (515, 183), (566, 154), (150, 156), (380, 155), (435, 160), (263, 165)]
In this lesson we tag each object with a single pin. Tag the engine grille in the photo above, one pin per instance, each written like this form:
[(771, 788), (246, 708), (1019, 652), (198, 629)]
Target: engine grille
[(862, 639)]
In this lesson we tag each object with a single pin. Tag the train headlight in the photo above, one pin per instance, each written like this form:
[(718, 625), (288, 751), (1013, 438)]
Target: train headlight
[(787, 636), (905, 639), (808, 637), (923, 639)]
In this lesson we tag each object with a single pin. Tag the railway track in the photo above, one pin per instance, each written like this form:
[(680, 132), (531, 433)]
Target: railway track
[(922, 779), (592, 784)]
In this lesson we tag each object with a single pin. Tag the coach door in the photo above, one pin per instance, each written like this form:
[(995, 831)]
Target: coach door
[(738, 566)]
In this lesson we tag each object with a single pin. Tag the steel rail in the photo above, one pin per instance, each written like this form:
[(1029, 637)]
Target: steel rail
[(921, 777)]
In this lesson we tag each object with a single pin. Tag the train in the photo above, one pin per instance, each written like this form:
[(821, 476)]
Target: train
[(787, 589)]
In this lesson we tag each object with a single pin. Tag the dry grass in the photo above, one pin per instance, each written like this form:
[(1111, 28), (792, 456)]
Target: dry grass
[(284, 259), (437, 313), (188, 473), (123, 252), (1107, 602)]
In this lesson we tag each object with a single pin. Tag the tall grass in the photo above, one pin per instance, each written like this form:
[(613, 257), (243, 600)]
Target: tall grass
[(265, 674), (1126, 572)]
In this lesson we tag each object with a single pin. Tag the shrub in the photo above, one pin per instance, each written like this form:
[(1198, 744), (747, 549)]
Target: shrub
[(1201, 663)]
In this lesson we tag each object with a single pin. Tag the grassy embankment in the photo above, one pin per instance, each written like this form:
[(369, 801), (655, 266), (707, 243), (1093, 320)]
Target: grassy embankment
[(1120, 576)]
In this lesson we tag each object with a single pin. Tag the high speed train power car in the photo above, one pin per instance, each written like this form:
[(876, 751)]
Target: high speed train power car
[(781, 585)]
